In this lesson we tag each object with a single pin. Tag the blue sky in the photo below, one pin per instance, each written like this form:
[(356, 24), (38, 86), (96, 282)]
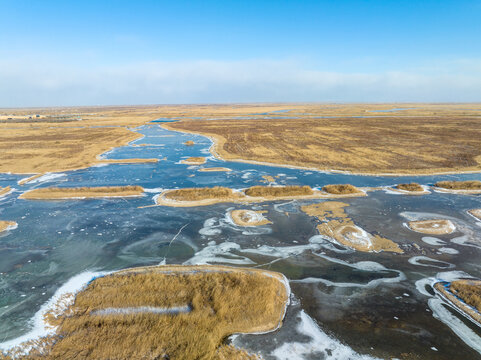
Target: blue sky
[(129, 52)]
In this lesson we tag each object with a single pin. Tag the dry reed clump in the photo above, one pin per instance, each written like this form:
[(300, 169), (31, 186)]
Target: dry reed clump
[(82, 192), (460, 185), (195, 194), (278, 191), (433, 227), (469, 291), (4, 190), (5, 225), (341, 189), (223, 301), (189, 143), (415, 187)]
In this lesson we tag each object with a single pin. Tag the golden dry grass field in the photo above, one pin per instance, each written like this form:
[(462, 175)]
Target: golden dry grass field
[(220, 301), (422, 139), (426, 139)]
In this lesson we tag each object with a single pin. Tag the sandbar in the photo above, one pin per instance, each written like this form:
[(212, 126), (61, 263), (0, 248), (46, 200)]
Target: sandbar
[(248, 217), (56, 193), (189, 143), (335, 224), (181, 312), (433, 227)]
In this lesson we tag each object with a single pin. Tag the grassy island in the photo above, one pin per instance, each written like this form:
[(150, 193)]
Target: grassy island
[(433, 227), (341, 189), (207, 196), (460, 187), (335, 224), (170, 312), (199, 160), (465, 294), (54, 193)]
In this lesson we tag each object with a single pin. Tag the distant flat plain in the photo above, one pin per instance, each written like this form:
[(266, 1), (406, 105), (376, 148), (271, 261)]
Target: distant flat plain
[(358, 138)]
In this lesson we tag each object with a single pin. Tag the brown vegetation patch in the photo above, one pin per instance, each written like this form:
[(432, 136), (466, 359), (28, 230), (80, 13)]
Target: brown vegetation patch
[(459, 185), (52, 193), (248, 218), (433, 227), (335, 224), (223, 301), (278, 191), (415, 187), (341, 189), (196, 194), (4, 190), (189, 143), (5, 225), (465, 294), (194, 160)]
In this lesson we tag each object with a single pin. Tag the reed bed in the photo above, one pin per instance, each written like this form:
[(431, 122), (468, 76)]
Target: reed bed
[(223, 301), (196, 194), (469, 291), (278, 191), (460, 185), (341, 189), (82, 192)]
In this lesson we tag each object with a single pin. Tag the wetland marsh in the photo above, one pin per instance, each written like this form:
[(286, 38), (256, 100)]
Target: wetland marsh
[(344, 302)]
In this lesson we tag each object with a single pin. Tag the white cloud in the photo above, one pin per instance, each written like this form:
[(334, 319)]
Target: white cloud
[(46, 83)]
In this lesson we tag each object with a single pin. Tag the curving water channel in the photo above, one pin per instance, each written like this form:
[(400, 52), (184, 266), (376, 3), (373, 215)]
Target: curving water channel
[(345, 304)]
